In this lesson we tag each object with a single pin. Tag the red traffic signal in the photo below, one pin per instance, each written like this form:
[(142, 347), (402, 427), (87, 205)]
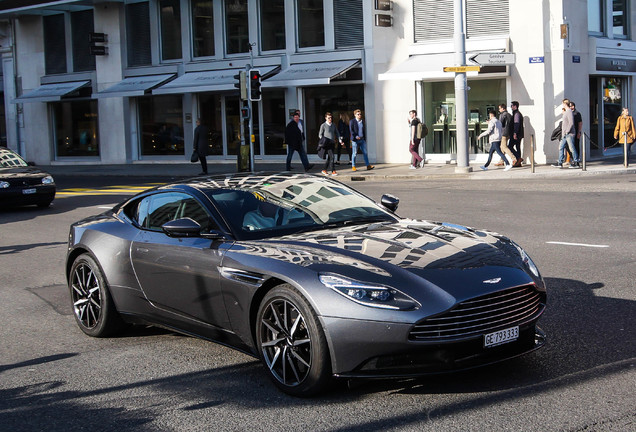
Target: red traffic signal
[(255, 85)]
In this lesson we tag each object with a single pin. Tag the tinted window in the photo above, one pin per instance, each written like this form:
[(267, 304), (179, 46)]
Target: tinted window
[(155, 210)]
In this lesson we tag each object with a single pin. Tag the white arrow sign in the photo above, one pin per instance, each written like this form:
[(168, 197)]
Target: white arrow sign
[(486, 59)]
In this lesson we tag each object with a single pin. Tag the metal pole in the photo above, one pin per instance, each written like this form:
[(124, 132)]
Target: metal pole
[(249, 97), (584, 152), (461, 99), (625, 161), (532, 152)]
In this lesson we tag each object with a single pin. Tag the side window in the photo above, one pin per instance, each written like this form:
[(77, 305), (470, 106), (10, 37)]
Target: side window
[(155, 210)]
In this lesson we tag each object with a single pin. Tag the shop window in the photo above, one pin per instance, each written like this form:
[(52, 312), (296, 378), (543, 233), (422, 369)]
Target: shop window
[(76, 128), (161, 124), (274, 122), (170, 13), (138, 34), (311, 23), (440, 115), (210, 114), (202, 28), (272, 15), (335, 99), (236, 27)]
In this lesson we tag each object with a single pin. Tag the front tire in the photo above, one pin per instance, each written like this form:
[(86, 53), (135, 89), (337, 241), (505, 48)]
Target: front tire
[(93, 306), (291, 343)]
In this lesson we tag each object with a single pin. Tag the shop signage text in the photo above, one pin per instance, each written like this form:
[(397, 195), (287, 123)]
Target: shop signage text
[(493, 59)]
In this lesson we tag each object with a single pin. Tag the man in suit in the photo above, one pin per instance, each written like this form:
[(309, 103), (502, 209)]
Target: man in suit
[(358, 140), (294, 139), (201, 133)]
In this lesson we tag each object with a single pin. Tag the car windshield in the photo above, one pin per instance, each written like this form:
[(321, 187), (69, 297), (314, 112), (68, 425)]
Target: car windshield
[(276, 206), (10, 159)]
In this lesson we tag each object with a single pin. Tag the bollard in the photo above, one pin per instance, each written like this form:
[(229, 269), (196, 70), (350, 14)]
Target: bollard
[(583, 147), (625, 161), (532, 148)]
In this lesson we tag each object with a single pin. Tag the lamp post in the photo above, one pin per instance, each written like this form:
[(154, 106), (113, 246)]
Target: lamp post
[(461, 98)]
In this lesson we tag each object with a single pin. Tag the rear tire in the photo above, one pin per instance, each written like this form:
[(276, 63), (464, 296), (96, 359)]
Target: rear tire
[(93, 306), (292, 343)]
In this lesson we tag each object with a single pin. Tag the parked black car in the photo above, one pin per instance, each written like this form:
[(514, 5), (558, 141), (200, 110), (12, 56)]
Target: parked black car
[(21, 183), (307, 274)]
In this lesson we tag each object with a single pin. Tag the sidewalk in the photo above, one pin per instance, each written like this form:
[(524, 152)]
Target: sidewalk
[(381, 172)]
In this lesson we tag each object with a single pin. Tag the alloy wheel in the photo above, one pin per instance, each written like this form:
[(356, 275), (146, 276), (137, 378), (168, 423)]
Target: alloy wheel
[(87, 300), (286, 342)]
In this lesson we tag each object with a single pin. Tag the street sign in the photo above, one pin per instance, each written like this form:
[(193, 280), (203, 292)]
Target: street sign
[(490, 59), (462, 68)]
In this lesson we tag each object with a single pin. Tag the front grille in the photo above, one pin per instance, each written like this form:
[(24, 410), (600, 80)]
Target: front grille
[(24, 181), (507, 308)]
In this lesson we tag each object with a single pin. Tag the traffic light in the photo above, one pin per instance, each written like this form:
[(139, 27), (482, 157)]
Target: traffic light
[(241, 84), (255, 85), (245, 113)]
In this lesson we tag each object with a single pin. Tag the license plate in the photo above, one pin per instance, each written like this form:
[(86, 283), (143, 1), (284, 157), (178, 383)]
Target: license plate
[(29, 191), (501, 337)]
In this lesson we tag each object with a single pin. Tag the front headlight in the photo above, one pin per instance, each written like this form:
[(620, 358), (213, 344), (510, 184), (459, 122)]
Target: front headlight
[(4, 184), (369, 294), (527, 260), (48, 180)]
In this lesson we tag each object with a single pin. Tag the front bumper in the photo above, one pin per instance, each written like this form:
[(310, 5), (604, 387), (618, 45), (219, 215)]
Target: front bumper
[(364, 349)]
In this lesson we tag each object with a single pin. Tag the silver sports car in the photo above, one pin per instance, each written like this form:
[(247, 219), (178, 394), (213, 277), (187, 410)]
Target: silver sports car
[(307, 274)]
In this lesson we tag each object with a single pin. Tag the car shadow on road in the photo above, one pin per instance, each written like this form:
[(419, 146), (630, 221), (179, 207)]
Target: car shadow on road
[(588, 332)]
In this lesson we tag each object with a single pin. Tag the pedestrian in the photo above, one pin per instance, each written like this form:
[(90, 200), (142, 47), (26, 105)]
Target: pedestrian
[(624, 131), (343, 129), (505, 119), (358, 140), (200, 144), (516, 132), (294, 139), (328, 136), (568, 131), (578, 126), (494, 133), (414, 143)]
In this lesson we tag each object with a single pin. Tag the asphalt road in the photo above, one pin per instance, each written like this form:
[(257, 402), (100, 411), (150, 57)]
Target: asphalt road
[(581, 233)]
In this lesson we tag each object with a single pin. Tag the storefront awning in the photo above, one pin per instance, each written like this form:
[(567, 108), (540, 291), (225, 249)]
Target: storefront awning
[(423, 67), (308, 74), (134, 86), (206, 81), (51, 92)]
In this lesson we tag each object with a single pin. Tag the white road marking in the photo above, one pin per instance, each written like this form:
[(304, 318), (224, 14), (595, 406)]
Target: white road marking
[(578, 244)]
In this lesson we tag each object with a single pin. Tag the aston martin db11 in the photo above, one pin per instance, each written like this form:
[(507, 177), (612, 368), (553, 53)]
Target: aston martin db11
[(307, 274)]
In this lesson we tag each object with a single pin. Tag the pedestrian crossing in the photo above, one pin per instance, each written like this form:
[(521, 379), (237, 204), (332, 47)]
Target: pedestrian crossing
[(107, 190)]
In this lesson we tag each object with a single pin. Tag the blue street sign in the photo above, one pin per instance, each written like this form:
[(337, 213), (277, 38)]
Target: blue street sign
[(576, 59), (536, 59)]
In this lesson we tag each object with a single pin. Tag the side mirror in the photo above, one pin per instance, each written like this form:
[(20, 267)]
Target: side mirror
[(391, 202), (184, 227)]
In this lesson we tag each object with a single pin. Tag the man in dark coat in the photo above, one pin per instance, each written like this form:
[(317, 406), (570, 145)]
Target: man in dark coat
[(294, 140), (516, 132), (201, 133)]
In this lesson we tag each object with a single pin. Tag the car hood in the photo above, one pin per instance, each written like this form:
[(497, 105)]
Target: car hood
[(459, 260), (21, 172)]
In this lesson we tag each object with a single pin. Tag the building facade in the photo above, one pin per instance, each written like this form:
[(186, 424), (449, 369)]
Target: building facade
[(114, 82)]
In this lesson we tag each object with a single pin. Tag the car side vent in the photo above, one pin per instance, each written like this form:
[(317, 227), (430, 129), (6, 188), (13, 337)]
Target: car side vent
[(511, 307)]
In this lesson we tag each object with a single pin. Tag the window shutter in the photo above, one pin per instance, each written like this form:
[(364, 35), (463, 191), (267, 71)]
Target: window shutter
[(433, 19), (54, 44), (487, 17), (348, 23), (81, 26), (138, 34)]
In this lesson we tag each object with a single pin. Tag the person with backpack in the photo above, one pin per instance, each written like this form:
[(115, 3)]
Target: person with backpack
[(417, 131)]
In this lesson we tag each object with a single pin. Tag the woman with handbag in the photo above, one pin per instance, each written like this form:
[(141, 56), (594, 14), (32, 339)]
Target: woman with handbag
[(327, 143)]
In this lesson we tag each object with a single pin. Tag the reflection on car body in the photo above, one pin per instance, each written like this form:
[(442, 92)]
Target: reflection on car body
[(307, 274)]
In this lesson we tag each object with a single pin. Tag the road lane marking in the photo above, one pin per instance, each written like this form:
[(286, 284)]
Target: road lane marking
[(578, 244), (110, 190)]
